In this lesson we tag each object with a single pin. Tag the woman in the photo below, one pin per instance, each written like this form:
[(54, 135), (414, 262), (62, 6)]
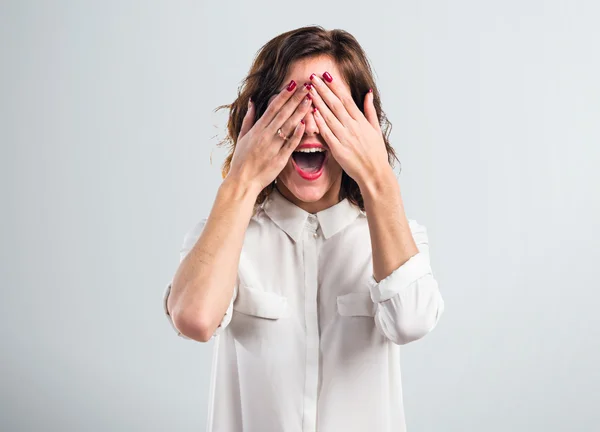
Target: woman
[(306, 272)]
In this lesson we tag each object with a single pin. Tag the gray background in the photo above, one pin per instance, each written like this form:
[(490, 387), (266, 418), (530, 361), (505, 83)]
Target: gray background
[(107, 132)]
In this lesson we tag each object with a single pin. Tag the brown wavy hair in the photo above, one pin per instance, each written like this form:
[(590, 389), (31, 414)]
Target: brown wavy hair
[(269, 69)]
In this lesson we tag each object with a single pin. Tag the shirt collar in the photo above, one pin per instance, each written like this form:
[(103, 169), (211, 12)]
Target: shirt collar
[(291, 218)]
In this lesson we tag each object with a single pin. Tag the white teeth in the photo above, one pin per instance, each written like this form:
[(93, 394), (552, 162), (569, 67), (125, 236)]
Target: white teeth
[(311, 150)]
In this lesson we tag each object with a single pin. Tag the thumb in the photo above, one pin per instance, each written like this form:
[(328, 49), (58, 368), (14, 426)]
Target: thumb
[(370, 111), (248, 121)]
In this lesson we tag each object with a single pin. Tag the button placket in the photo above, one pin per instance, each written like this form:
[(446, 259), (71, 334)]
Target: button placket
[(312, 225), (311, 383)]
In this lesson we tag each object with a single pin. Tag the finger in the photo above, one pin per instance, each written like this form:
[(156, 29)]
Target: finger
[(275, 106), (324, 130), (370, 111), (287, 110), (300, 112), (292, 142), (336, 97), (332, 121), (248, 120)]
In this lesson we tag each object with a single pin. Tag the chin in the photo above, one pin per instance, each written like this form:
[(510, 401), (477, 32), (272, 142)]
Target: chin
[(301, 190), (308, 194)]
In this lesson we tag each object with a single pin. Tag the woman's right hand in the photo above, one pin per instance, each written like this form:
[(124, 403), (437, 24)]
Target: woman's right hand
[(260, 153)]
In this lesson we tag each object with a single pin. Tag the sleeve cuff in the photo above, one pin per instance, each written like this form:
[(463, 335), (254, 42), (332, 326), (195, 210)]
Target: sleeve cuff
[(416, 267), (228, 315)]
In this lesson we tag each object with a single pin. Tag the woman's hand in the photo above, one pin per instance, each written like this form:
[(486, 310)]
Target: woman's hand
[(355, 140), (260, 153)]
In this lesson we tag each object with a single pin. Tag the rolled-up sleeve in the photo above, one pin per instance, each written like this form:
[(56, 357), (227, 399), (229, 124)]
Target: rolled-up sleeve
[(188, 243), (408, 301)]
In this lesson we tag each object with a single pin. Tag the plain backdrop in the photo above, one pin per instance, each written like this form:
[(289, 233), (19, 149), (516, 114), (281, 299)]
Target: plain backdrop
[(108, 130)]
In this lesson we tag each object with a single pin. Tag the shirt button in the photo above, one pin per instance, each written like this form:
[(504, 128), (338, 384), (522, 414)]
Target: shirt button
[(315, 235)]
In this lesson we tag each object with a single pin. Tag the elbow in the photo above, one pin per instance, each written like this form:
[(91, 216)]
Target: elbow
[(410, 316), (403, 326), (191, 320), (415, 328), (191, 326)]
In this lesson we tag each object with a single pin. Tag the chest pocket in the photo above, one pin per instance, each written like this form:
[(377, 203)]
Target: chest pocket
[(356, 304), (259, 303)]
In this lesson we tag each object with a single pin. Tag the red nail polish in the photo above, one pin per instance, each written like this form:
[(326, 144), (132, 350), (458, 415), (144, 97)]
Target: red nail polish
[(291, 86), (312, 76), (315, 109), (327, 77), (308, 96), (370, 90), (302, 121)]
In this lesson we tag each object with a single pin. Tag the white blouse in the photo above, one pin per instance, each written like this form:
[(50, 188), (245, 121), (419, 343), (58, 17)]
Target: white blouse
[(310, 341)]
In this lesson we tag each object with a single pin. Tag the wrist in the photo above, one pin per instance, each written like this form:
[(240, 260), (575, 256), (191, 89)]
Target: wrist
[(239, 189), (378, 182)]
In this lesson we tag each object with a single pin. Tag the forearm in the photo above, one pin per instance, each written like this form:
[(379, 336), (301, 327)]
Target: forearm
[(392, 243), (409, 303), (203, 284)]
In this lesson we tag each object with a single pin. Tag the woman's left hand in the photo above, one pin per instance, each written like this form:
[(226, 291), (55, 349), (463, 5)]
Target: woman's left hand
[(355, 139)]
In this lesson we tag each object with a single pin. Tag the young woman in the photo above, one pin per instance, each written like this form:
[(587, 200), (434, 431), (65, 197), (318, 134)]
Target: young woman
[(307, 271)]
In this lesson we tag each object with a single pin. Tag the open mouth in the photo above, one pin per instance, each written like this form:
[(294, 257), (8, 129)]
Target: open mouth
[(309, 161)]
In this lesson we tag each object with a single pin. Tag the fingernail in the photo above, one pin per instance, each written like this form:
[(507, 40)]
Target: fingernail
[(370, 90), (302, 121), (308, 86), (308, 96), (291, 86), (312, 76), (315, 109), (327, 77)]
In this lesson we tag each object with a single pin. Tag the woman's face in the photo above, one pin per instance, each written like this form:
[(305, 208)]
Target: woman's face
[(318, 193)]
